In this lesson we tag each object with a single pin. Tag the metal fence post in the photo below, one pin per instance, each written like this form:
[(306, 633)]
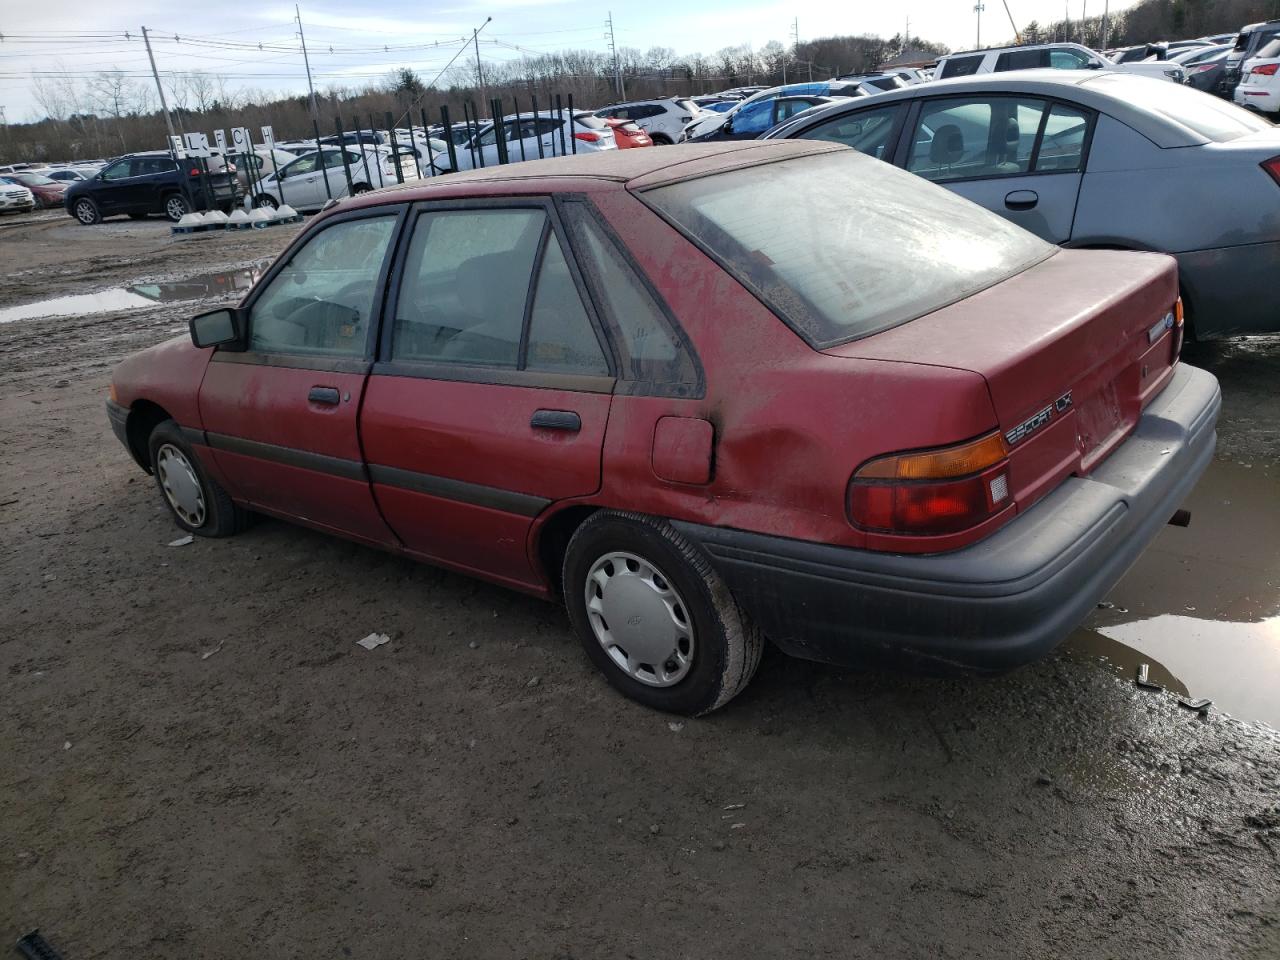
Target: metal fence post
[(414, 146), (475, 114), (537, 125), (448, 138), (364, 152), (560, 121), (320, 160), (395, 147), (346, 162), (520, 126), (573, 134), (373, 130), (499, 130), (426, 133)]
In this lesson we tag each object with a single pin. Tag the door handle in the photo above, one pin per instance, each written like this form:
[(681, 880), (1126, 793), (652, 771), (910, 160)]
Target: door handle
[(326, 395), (565, 420), (1021, 199)]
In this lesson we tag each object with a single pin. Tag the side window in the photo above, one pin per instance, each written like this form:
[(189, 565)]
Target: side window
[(118, 170), (961, 67), (488, 138), (789, 108), (651, 350), (1068, 60), (754, 118), (547, 126), (868, 131), (1062, 148), (1022, 60), (561, 338), (321, 301), (301, 166), (959, 138), (466, 278)]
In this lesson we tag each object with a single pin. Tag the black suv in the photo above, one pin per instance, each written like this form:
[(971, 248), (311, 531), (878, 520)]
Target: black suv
[(146, 183)]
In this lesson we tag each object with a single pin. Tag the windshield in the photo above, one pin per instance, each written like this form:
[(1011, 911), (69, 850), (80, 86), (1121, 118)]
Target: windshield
[(1210, 117), (841, 245)]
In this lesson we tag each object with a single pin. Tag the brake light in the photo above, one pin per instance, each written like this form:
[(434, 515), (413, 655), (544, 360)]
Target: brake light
[(1272, 167), (1202, 67), (1266, 70), (932, 491), (588, 137), (194, 171)]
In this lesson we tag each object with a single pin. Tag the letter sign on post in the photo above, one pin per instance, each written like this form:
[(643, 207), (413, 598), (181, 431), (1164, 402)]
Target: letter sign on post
[(220, 138), (268, 137)]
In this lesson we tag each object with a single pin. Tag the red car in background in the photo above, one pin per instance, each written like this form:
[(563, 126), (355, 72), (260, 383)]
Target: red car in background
[(47, 192), (626, 133), (737, 391)]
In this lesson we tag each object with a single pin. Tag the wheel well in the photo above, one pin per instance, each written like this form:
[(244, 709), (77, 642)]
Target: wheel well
[(144, 416), (661, 138), (554, 539)]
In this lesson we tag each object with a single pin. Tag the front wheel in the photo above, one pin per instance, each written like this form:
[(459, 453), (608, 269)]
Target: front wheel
[(196, 501), (176, 207), (361, 188), (266, 200), (655, 617), (86, 211)]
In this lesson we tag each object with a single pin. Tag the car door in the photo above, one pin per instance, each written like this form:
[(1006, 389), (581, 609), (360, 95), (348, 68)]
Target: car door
[(490, 399), (281, 415), (115, 186), (1020, 157), (302, 184)]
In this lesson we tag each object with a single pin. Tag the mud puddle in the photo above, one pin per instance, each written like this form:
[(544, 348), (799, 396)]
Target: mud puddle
[(1202, 605), (201, 287)]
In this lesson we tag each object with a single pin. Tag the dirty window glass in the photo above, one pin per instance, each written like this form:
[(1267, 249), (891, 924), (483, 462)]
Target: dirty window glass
[(466, 278), (842, 246), (958, 138), (867, 131), (561, 338), (652, 352), (320, 303)]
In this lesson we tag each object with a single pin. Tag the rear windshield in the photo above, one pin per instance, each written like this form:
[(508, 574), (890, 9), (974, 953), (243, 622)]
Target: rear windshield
[(1210, 117), (686, 105), (1272, 49), (841, 245), (590, 121)]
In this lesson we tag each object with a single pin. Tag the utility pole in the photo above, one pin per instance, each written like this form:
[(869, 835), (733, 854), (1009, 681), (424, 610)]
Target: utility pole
[(164, 106), (613, 51), (795, 43), (906, 35), (315, 107), (1106, 9), (1084, 22), (475, 38), (978, 8)]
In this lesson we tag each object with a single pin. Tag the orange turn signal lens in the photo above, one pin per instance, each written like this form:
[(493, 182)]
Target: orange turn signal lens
[(111, 393), (958, 461), (1177, 312)]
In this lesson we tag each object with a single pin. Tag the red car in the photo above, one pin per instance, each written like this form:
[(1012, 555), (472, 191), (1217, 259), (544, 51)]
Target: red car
[(708, 396), (628, 134), (47, 192)]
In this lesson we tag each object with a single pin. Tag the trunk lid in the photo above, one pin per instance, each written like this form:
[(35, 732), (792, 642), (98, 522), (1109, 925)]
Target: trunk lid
[(1071, 350)]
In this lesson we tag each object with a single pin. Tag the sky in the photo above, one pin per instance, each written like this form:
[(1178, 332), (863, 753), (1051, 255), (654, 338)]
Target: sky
[(346, 39)]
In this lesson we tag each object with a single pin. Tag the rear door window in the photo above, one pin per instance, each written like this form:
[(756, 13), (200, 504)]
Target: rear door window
[(1022, 60), (963, 137), (1062, 146)]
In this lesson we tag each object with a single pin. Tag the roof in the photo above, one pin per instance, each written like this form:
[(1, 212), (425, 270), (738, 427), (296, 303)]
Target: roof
[(655, 165), (1102, 90)]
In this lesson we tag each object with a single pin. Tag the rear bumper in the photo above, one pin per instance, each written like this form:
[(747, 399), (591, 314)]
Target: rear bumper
[(1257, 96), (1000, 603)]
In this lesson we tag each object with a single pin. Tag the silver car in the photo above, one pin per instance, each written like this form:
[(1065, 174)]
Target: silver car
[(1096, 159)]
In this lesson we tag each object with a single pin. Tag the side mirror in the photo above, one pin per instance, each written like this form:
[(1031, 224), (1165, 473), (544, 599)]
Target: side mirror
[(727, 126), (1095, 65), (218, 328)]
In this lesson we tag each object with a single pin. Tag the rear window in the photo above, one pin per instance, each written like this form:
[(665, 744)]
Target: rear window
[(1242, 41), (841, 245), (1210, 117), (1272, 49), (686, 105), (590, 121)]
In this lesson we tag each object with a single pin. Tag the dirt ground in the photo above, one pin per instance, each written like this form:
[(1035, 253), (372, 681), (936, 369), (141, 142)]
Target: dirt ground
[(198, 761)]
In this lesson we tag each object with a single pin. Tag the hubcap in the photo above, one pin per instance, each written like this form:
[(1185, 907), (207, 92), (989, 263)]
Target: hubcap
[(175, 208), (181, 486), (639, 619), (84, 210)]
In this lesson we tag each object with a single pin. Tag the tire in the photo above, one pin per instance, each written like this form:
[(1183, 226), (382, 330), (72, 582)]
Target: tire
[(138, 216), (360, 188), (195, 500), (643, 555), (86, 210), (175, 207), (266, 200), (660, 139)]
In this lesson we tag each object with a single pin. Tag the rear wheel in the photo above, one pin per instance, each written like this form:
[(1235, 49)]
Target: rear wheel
[(86, 211), (654, 616), (176, 207), (195, 500), (360, 188), (660, 139)]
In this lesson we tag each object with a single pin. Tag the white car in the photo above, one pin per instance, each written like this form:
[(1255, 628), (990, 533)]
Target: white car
[(1055, 56), (264, 160), (1259, 87), (661, 119), (301, 183), (14, 197), (528, 134)]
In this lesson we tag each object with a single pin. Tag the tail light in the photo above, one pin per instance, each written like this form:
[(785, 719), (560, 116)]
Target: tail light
[(1272, 167), (1266, 70), (932, 491), (194, 171), (1202, 67), (588, 137)]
